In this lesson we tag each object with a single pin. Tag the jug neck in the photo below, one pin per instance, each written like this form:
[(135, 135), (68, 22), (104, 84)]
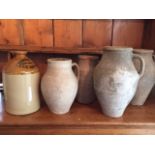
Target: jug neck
[(59, 63), (118, 52), (145, 53), (119, 55), (87, 60)]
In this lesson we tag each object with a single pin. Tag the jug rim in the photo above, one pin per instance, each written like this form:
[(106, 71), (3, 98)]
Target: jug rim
[(49, 60), (146, 51), (93, 57), (117, 48)]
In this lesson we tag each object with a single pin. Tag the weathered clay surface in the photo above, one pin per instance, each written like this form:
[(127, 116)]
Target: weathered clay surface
[(115, 80), (59, 85), (147, 82)]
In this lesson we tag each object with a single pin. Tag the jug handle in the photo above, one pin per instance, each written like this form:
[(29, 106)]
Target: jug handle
[(136, 56), (153, 57), (77, 68)]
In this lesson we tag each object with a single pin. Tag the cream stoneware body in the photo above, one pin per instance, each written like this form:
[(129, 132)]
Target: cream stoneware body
[(21, 85), (116, 80), (86, 92), (59, 85), (147, 82)]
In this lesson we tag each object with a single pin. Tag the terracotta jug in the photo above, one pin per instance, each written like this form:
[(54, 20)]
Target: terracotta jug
[(147, 82), (116, 79), (21, 85), (59, 85), (86, 92)]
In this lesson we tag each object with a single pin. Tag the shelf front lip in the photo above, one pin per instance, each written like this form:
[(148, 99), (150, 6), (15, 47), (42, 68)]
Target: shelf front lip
[(84, 126), (77, 130)]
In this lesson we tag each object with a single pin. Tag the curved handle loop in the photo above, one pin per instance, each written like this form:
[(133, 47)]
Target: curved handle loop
[(77, 68), (142, 64), (153, 56)]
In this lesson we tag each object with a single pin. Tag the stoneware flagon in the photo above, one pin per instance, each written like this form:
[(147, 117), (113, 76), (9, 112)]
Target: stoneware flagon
[(147, 82), (86, 92), (21, 85), (116, 79), (59, 85)]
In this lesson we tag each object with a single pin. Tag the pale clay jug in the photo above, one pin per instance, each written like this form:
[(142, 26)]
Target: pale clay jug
[(21, 79), (59, 85), (147, 82), (116, 79)]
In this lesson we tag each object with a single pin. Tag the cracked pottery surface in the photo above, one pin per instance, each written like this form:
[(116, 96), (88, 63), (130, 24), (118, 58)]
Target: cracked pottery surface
[(116, 80)]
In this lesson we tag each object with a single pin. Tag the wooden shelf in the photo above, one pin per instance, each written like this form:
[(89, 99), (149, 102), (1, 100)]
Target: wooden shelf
[(82, 119), (79, 37), (37, 49)]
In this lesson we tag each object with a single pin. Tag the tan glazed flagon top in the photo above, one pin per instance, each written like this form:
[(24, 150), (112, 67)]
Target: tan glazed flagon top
[(20, 64)]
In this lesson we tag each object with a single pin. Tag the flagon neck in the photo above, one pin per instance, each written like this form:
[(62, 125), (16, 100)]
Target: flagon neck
[(20, 54)]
